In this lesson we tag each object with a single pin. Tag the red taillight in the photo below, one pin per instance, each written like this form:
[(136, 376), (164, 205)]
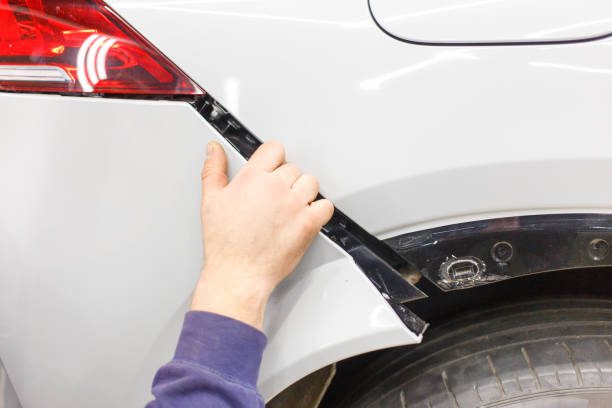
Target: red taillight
[(80, 46)]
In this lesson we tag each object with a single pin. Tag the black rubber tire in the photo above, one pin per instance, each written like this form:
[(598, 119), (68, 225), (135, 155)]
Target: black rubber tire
[(544, 354)]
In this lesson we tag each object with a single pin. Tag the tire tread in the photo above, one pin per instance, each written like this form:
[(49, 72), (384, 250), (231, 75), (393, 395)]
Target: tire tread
[(514, 352)]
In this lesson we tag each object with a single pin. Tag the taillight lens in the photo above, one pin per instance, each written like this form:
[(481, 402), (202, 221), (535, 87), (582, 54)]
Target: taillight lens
[(80, 46)]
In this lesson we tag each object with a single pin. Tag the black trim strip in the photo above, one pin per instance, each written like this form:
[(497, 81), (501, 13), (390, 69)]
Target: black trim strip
[(484, 43), (466, 255), (376, 259)]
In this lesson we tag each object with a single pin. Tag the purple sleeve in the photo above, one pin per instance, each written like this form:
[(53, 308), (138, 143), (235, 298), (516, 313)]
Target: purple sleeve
[(215, 365)]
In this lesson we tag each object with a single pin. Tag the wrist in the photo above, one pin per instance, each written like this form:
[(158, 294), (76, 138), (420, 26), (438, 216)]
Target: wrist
[(239, 300)]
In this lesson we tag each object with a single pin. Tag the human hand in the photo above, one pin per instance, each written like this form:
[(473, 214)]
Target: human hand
[(256, 228)]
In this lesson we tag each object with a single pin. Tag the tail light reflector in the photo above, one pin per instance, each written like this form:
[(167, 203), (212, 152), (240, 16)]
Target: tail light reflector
[(80, 46)]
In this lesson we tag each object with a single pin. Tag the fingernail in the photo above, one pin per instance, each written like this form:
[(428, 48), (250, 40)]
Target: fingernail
[(210, 147)]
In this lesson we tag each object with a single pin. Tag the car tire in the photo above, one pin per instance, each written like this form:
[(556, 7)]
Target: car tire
[(544, 354)]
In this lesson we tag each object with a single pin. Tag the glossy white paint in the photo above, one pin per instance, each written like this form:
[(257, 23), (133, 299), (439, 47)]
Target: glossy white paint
[(323, 313), (100, 248), (8, 396), (401, 135), (455, 21)]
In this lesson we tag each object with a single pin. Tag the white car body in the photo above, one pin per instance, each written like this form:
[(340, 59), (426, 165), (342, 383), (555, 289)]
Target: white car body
[(99, 234)]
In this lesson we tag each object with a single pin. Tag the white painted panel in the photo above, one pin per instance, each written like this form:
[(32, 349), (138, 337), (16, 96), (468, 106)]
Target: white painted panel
[(394, 130), (336, 312)]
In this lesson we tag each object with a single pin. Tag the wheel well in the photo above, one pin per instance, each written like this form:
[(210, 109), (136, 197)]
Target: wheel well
[(441, 307)]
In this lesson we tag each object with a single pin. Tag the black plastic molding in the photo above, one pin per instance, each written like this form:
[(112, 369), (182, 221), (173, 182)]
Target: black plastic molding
[(462, 256), (377, 260)]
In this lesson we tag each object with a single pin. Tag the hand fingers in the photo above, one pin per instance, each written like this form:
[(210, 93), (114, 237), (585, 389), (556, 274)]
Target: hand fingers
[(268, 156), (214, 173), (289, 172), (321, 211), (307, 187)]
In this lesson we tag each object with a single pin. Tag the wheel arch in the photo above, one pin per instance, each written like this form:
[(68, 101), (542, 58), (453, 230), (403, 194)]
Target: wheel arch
[(443, 308), (552, 257)]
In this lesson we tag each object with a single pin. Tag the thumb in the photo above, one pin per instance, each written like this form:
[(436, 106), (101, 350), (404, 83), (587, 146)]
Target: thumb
[(214, 173)]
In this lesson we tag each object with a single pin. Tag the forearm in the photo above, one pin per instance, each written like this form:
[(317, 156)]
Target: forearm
[(215, 365), (256, 229), (240, 300)]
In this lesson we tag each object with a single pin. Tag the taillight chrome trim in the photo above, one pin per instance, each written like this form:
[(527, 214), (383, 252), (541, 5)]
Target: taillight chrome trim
[(30, 73)]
